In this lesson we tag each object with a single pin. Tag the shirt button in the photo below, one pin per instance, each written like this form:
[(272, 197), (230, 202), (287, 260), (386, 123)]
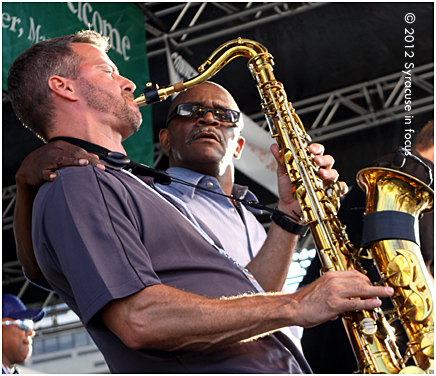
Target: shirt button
[(209, 184)]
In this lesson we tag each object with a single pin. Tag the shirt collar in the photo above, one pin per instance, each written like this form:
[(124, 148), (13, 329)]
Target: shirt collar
[(197, 179), (188, 176), (9, 370)]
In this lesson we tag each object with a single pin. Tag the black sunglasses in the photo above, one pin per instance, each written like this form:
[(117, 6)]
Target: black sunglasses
[(194, 111)]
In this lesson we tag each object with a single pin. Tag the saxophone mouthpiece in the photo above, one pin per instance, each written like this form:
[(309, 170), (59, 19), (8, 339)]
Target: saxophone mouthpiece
[(155, 94), (149, 96), (140, 101)]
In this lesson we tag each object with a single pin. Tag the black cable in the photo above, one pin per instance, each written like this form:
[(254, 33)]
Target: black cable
[(162, 177), (250, 203)]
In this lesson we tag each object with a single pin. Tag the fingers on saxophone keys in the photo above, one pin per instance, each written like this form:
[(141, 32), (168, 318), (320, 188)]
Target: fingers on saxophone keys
[(350, 304), (325, 162), (329, 174), (369, 298), (366, 304), (349, 285), (344, 187), (316, 149)]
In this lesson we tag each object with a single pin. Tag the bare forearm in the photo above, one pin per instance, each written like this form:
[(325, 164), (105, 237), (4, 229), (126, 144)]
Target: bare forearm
[(270, 266), (168, 319), (164, 318)]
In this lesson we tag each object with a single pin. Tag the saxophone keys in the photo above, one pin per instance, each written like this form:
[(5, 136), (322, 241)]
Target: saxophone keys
[(333, 191), (416, 308), (412, 370), (368, 325), (427, 345), (399, 271)]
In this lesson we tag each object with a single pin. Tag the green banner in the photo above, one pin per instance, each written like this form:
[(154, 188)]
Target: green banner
[(24, 24)]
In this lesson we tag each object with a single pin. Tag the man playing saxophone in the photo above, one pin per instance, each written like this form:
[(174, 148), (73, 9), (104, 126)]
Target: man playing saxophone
[(156, 291)]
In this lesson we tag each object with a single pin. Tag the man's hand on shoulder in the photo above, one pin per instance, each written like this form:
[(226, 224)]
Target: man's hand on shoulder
[(40, 165)]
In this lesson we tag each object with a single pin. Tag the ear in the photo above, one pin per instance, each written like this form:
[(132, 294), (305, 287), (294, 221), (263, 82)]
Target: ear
[(62, 86), (164, 138), (238, 151)]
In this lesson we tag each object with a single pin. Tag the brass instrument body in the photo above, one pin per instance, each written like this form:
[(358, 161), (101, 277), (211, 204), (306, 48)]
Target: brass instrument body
[(230, 51), (375, 349), (371, 336), (399, 261)]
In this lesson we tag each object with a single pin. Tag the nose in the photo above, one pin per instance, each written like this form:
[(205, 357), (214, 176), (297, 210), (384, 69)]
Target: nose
[(30, 333), (126, 84), (208, 119)]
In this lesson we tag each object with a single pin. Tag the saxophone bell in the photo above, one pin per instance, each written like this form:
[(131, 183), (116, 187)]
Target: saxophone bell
[(395, 201)]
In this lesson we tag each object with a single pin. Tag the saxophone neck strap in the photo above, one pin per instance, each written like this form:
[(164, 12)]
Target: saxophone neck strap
[(118, 159)]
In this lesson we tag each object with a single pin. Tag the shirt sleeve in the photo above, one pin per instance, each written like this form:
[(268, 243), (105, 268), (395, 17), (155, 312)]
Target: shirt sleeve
[(87, 240)]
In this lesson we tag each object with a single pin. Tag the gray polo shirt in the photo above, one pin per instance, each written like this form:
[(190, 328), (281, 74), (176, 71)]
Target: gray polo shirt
[(100, 236)]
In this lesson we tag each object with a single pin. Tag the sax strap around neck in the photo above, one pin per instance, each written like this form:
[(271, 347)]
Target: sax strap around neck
[(118, 159)]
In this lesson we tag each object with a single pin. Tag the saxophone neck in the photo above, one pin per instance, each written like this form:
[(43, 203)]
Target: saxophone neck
[(229, 51), (216, 61)]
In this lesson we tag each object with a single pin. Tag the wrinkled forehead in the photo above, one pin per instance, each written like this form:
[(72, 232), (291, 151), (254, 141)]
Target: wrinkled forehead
[(206, 94), (91, 54)]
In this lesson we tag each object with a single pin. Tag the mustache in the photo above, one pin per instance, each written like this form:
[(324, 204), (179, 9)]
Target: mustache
[(129, 96), (212, 130)]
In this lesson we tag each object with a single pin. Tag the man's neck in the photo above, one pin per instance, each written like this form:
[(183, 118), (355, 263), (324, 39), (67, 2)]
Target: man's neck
[(226, 183), (88, 125), (105, 141)]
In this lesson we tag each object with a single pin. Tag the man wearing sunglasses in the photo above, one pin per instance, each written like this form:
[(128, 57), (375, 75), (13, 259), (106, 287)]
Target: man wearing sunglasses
[(17, 332), (203, 137)]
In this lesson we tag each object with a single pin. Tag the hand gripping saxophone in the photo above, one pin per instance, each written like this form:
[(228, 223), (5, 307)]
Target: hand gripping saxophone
[(370, 334)]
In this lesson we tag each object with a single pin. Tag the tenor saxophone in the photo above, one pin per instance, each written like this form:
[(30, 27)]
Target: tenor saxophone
[(371, 336)]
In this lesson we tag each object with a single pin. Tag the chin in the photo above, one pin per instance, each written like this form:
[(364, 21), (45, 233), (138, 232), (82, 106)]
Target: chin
[(136, 127), (24, 358)]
